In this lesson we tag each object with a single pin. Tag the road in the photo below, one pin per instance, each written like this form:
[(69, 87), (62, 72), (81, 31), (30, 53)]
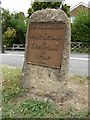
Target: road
[(78, 62)]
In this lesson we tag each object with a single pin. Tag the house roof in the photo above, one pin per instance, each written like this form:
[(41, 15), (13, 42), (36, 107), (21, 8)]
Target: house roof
[(81, 3)]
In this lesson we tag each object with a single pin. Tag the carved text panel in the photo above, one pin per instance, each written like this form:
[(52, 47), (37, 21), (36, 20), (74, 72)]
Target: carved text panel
[(45, 44)]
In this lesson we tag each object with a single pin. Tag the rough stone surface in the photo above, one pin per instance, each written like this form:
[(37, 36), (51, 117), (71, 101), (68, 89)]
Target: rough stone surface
[(44, 79)]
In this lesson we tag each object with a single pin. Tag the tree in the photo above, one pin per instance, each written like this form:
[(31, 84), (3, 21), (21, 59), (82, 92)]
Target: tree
[(5, 22), (6, 17), (15, 21), (81, 27), (9, 36), (43, 5), (18, 22), (66, 9)]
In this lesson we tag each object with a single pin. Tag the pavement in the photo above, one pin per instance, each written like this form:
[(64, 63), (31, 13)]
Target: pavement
[(14, 52), (79, 63), (75, 56)]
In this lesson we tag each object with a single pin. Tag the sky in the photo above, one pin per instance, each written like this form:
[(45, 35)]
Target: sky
[(23, 5)]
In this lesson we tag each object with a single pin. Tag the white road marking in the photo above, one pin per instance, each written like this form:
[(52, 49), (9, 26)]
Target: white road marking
[(22, 55), (12, 55), (85, 59)]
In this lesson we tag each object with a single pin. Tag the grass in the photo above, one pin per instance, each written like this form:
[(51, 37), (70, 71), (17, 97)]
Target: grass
[(16, 103)]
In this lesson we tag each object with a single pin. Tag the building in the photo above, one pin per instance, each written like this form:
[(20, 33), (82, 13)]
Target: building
[(74, 10)]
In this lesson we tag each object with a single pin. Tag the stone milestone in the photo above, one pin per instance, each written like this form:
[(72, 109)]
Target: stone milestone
[(47, 51)]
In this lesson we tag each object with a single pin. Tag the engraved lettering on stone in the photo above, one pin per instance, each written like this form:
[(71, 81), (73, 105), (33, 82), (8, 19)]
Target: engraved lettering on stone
[(42, 57), (47, 26), (44, 46), (46, 37), (45, 43)]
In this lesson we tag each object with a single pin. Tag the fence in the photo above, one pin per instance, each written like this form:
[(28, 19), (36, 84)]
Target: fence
[(15, 47), (80, 47), (18, 47)]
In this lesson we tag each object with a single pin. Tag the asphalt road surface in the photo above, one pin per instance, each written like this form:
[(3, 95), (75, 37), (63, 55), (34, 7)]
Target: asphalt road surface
[(78, 62)]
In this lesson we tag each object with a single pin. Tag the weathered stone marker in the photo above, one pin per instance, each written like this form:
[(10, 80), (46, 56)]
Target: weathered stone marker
[(47, 49)]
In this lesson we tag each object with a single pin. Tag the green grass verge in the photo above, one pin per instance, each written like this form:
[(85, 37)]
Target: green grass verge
[(15, 103)]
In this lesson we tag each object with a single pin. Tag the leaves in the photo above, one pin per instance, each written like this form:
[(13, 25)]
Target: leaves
[(43, 5), (80, 27), (9, 35), (16, 21)]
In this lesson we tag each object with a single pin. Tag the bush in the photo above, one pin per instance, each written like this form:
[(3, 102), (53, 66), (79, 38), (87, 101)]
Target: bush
[(80, 27)]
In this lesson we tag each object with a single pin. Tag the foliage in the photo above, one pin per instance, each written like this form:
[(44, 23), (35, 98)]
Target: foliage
[(15, 21), (6, 17), (16, 103), (19, 22), (9, 36), (66, 9), (43, 5), (81, 27)]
